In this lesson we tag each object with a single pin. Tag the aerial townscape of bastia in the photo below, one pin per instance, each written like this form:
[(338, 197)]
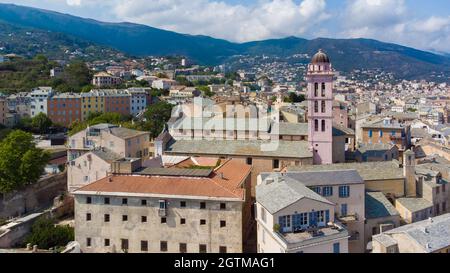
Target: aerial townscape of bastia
[(128, 128)]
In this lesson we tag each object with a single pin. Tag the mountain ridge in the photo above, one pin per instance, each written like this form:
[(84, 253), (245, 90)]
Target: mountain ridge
[(140, 40)]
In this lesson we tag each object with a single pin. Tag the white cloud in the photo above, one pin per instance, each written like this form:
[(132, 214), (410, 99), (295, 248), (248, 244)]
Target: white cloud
[(265, 19), (74, 2), (390, 20)]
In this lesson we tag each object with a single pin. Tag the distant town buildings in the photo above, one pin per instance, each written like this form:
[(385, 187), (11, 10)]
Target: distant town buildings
[(104, 79)]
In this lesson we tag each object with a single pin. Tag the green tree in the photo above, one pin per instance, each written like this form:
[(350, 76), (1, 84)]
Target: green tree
[(41, 123), (156, 117), (45, 234), (294, 98), (21, 163)]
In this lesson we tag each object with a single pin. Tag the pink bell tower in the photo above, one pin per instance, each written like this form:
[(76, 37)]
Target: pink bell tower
[(320, 108)]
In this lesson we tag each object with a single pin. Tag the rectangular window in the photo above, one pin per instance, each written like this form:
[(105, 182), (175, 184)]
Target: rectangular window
[(106, 242), (323, 106), (163, 246), (299, 220), (249, 161), (143, 219), (202, 205), (143, 202), (88, 217), (323, 125), (344, 191), (124, 201), (183, 204), (124, 244), (316, 125), (106, 200), (106, 217), (285, 222), (223, 223), (223, 206), (163, 220), (124, 218), (327, 191), (202, 248), (276, 163), (222, 249), (88, 242), (162, 204), (88, 200), (316, 189), (183, 247), (336, 248), (370, 133), (344, 208), (381, 133), (182, 221), (144, 245), (323, 89), (202, 222)]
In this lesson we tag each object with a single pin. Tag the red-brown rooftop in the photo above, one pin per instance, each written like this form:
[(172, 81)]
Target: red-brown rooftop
[(224, 182)]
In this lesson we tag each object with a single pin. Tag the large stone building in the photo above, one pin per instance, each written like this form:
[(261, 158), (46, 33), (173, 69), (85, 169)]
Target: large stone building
[(64, 108), (166, 210)]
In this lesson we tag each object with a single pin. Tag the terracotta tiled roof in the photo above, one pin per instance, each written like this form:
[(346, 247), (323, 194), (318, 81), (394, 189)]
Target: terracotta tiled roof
[(225, 182)]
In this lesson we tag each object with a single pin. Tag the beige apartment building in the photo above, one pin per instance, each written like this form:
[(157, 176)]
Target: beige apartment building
[(166, 210), (346, 190), (104, 79), (427, 236), (92, 150), (295, 218), (387, 131)]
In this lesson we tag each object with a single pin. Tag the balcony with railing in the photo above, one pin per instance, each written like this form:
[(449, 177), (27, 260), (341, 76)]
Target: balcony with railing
[(299, 237)]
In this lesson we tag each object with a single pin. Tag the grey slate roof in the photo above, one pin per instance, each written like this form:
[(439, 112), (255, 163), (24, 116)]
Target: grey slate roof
[(339, 130), (430, 235), (378, 206), (125, 133), (415, 204), (336, 177), (375, 147), (291, 129), (220, 123), (283, 193), (367, 170), (107, 155), (284, 149)]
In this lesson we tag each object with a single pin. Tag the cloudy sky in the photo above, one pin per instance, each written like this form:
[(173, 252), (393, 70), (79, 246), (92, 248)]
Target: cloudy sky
[(421, 24)]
